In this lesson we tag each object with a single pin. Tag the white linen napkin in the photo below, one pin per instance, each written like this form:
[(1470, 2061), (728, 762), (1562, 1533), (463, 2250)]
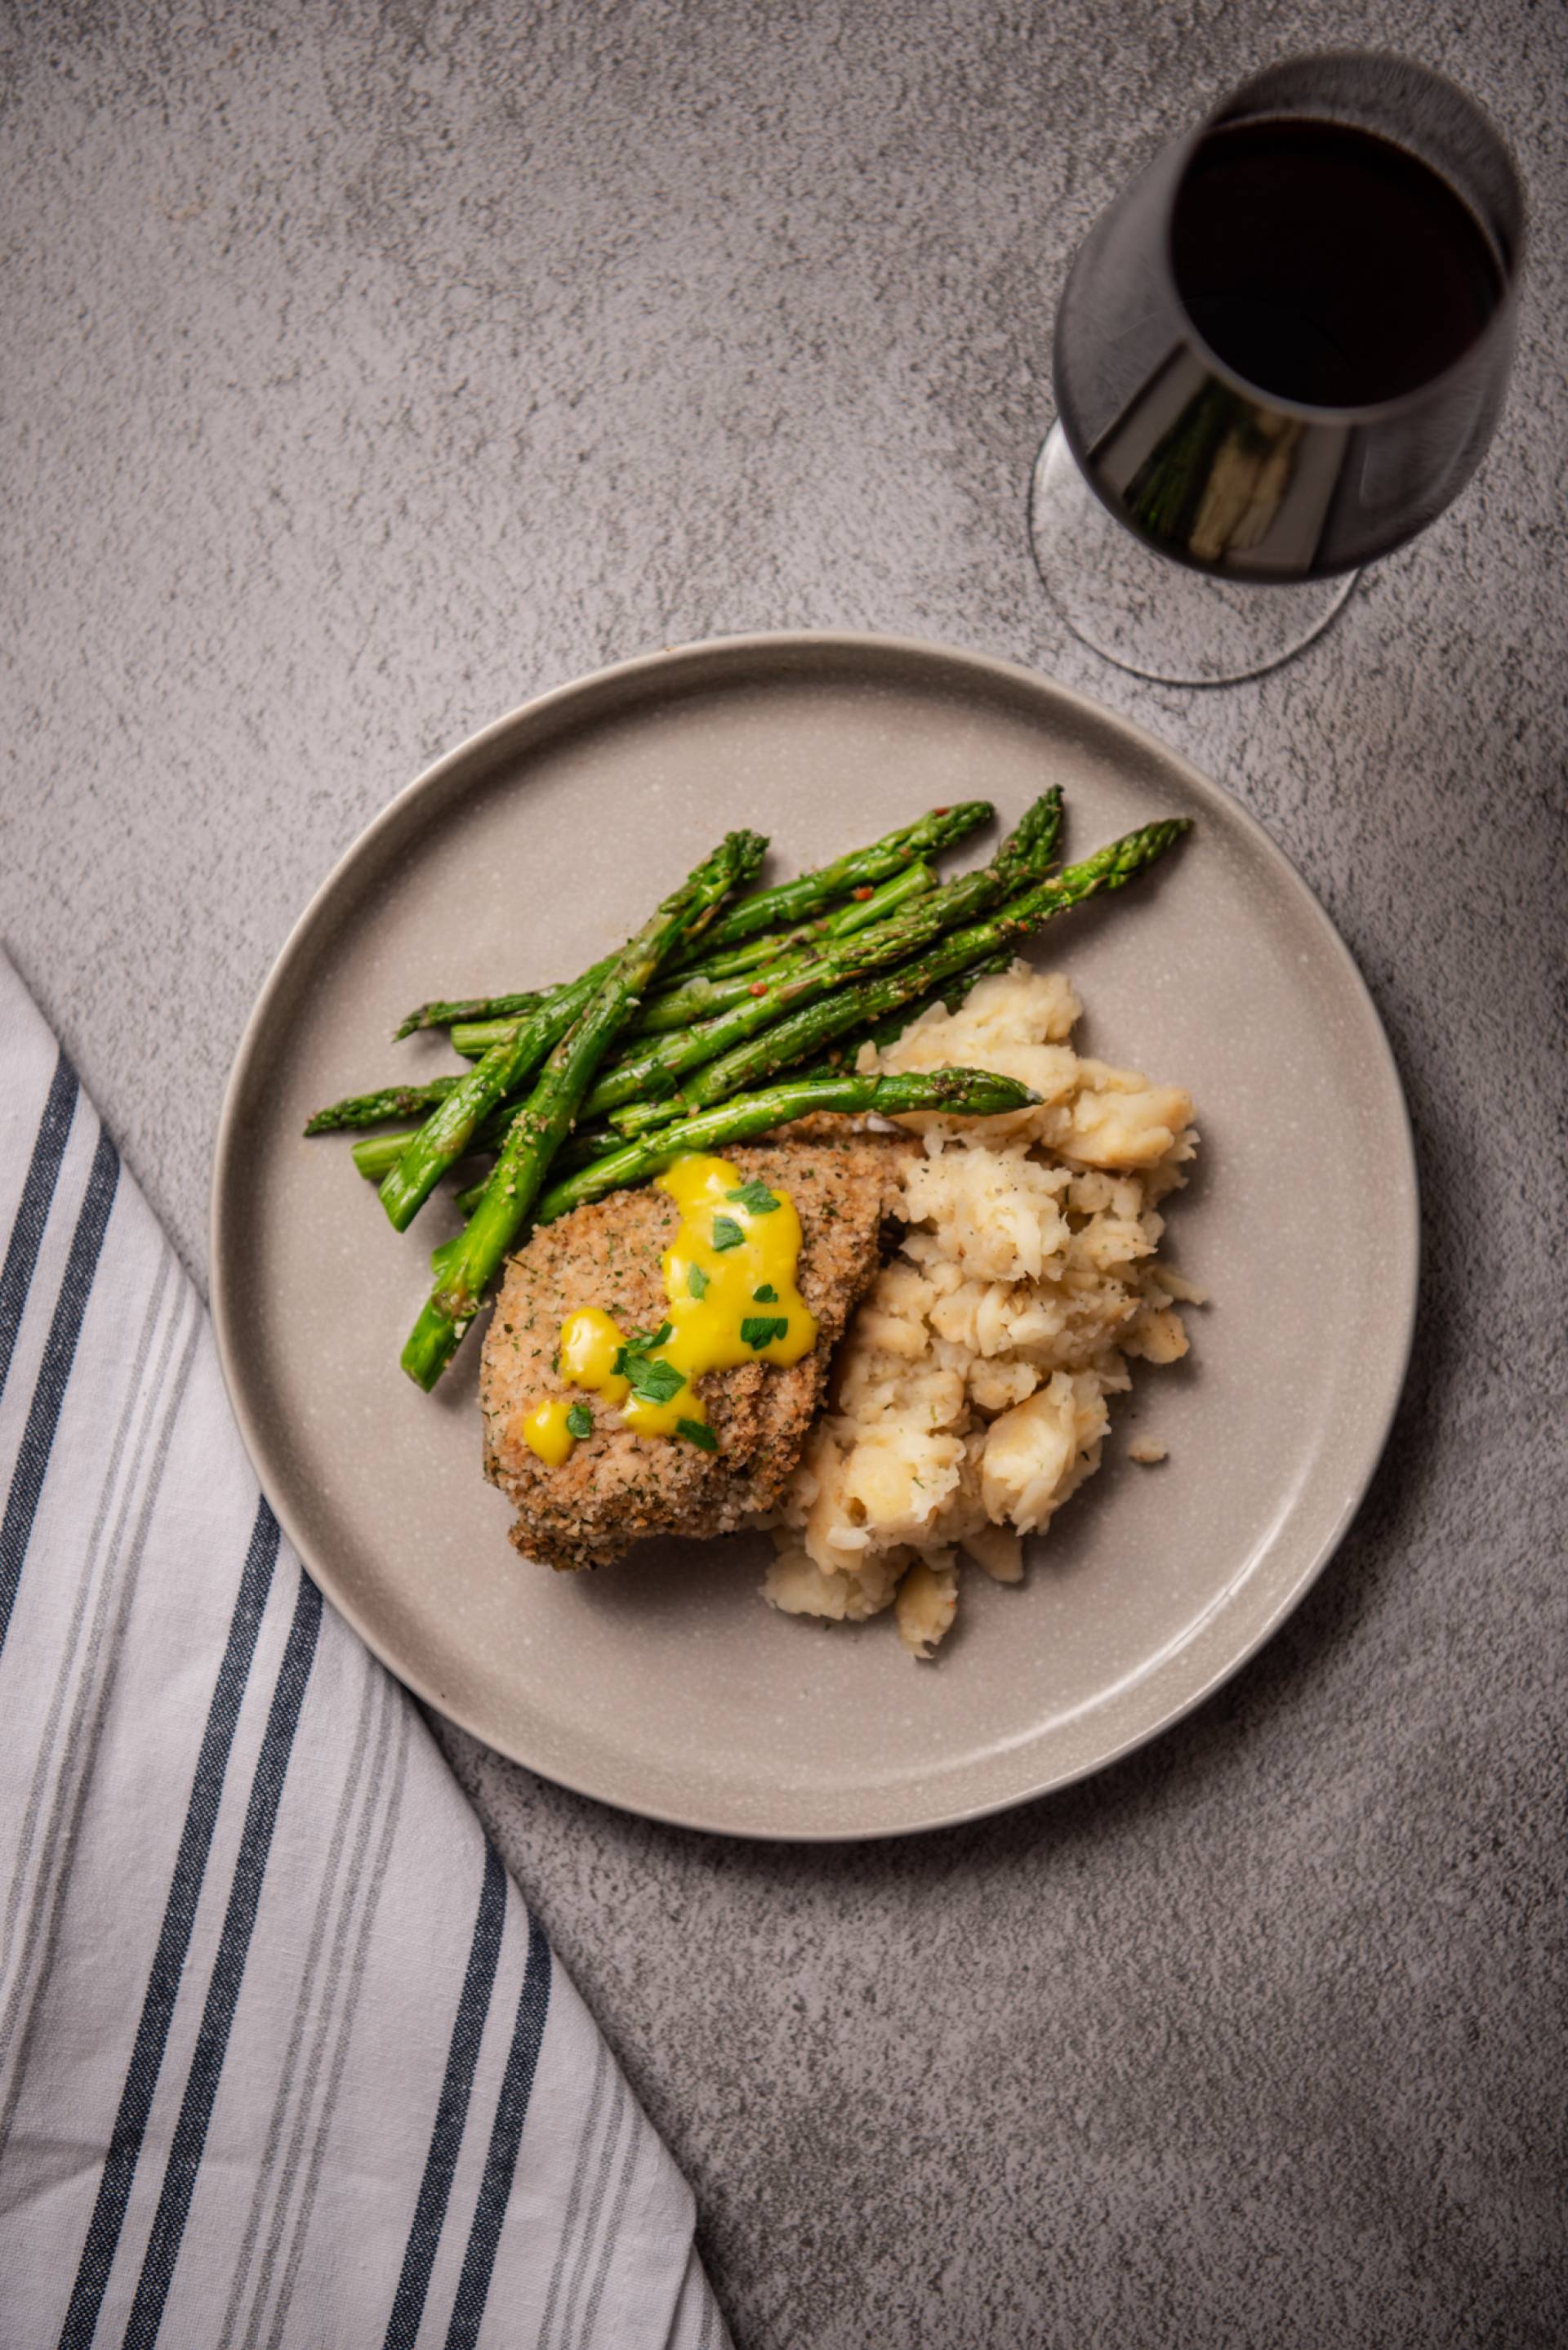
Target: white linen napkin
[(284, 2058)]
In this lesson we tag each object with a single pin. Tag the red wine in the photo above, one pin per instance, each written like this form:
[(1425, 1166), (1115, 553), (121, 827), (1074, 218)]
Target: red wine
[(1325, 264)]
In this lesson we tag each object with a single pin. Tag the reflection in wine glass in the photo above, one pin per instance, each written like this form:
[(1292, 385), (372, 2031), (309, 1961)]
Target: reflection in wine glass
[(1281, 353)]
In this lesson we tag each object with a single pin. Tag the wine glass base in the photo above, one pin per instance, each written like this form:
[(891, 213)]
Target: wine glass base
[(1152, 616)]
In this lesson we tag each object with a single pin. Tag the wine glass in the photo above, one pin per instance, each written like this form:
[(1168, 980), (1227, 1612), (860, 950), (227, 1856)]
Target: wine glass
[(1278, 354)]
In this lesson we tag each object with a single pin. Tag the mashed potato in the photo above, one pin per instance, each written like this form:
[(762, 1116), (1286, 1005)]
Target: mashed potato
[(970, 1397)]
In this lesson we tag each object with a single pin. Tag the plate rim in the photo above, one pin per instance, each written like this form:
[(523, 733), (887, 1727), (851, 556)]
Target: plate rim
[(612, 681)]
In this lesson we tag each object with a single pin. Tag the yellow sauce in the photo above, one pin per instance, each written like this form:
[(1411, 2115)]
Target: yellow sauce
[(546, 1433), (731, 1297), (711, 1283), (590, 1341)]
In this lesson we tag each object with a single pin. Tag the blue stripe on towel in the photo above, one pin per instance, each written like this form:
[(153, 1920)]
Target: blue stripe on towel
[(174, 1940), (54, 1374), (506, 2136), (228, 1972), (32, 1207), (452, 2108)]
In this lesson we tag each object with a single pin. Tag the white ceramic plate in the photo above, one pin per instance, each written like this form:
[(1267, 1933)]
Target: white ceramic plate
[(666, 1686)]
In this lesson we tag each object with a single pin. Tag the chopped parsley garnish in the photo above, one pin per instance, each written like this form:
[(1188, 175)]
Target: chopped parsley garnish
[(697, 1282), (756, 1197), (642, 1342), (654, 1381), (579, 1420), (641, 1339), (698, 1432), (767, 1295), (727, 1234), (760, 1330)]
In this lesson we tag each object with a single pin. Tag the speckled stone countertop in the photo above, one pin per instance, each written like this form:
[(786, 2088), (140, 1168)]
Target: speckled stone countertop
[(366, 371)]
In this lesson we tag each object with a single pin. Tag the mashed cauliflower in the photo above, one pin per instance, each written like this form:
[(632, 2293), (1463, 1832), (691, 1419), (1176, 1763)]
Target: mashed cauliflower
[(969, 1396)]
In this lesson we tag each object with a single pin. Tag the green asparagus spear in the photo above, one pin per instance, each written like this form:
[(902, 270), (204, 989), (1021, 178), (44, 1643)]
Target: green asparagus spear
[(865, 905), (441, 1014), (1030, 848), (466, 1264), (704, 992), (376, 1155), (451, 1127), (962, 1093), (499, 1014), (357, 1110), (802, 1033), (474, 1038)]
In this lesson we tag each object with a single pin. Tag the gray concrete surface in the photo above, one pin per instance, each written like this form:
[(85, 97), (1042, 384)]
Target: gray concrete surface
[(365, 370)]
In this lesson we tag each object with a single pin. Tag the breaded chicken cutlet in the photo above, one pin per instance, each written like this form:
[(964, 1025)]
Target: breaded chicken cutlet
[(620, 1488)]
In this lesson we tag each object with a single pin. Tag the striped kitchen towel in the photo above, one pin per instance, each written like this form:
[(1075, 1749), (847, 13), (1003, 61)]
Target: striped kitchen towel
[(284, 2058)]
